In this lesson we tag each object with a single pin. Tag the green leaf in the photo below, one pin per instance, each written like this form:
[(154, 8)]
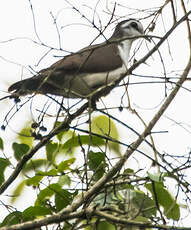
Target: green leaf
[(65, 165), (34, 165), (141, 219), (106, 127), (96, 163), (52, 172), (165, 199), (34, 181), (12, 218), (64, 180), (1, 144), (51, 148), (17, 191), (143, 204), (57, 124), (46, 194), (157, 177), (128, 171), (65, 135), (3, 164), (67, 226), (25, 135), (103, 225), (34, 211), (20, 150), (82, 140), (62, 198)]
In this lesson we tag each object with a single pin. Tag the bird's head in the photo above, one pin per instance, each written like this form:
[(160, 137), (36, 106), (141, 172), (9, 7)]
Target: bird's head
[(128, 28)]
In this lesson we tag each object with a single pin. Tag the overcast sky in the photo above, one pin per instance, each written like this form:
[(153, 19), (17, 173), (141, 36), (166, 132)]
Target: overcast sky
[(17, 56)]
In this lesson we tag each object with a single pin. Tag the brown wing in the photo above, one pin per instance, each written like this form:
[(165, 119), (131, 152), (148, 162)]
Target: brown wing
[(88, 61), (61, 79)]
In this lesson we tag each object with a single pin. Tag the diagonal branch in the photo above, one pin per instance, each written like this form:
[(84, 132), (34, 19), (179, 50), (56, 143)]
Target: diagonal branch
[(97, 95), (97, 186)]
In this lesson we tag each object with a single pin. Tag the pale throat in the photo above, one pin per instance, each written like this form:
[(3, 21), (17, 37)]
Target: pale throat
[(124, 51)]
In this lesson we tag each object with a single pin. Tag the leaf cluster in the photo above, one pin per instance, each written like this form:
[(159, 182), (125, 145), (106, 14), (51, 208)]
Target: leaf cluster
[(59, 180)]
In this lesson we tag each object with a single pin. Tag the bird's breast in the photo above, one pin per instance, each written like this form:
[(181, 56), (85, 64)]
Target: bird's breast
[(84, 84), (103, 78)]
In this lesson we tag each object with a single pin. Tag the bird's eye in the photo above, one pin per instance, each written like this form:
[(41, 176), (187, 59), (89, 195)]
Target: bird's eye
[(134, 25)]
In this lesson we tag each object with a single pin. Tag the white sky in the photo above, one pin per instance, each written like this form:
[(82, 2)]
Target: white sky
[(16, 21)]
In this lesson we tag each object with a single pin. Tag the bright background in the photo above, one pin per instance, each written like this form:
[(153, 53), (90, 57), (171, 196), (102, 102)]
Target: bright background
[(18, 55)]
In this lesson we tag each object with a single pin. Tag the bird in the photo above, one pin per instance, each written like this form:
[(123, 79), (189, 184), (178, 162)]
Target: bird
[(79, 74)]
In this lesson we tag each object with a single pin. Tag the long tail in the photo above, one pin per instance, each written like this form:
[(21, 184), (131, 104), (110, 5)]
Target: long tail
[(16, 86), (24, 87)]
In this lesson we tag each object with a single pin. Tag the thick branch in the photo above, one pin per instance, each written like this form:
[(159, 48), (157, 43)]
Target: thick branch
[(96, 187), (85, 214), (68, 120), (67, 213)]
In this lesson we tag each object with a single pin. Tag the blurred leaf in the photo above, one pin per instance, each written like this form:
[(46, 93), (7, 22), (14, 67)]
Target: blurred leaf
[(52, 172), (65, 165), (82, 140), (103, 225), (67, 226), (113, 197), (127, 186), (34, 181), (46, 194), (51, 148), (96, 163), (20, 150), (157, 177), (32, 212), (62, 198), (17, 191), (61, 133), (64, 135), (1, 144), (106, 127), (12, 218), (43, 196), (64, 180), (128, 171), (165, 199), (141, 219), (25, 135), (3, 164), (143, 204), (34, 165)]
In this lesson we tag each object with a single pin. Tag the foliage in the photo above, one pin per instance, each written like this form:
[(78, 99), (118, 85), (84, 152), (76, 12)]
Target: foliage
[(126, 198), (86, 167)]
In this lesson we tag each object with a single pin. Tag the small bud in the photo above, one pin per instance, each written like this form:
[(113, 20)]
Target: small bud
[(3, 127), (17, 100), (120, 108), (42, 128), (34, 125), (38, 136)]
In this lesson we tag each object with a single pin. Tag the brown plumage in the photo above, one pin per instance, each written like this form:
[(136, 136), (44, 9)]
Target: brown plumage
[(79, 74)]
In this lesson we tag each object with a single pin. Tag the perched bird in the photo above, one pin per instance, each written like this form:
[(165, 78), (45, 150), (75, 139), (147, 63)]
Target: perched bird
[(78, 75)]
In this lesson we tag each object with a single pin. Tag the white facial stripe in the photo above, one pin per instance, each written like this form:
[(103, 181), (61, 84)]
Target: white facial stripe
[(125, 25)]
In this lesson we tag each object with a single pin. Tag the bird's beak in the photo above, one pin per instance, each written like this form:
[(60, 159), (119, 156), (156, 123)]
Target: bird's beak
[(143, 33), (146, 36)]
